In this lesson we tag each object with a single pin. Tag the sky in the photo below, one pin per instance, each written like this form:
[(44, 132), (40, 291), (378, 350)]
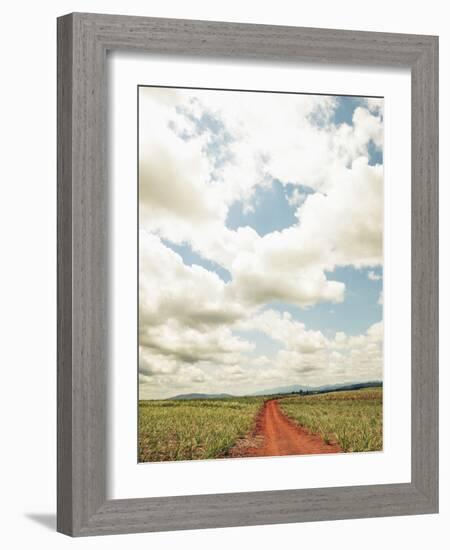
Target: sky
[(260, 240)]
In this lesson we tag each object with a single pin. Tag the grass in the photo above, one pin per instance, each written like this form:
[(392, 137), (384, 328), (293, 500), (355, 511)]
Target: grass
[(193, 429), (352, 418)]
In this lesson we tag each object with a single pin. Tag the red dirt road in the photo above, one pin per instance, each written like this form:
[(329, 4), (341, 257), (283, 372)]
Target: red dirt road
[(276, 435)]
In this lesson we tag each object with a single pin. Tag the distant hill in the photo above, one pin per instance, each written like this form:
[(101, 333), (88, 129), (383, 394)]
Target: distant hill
[(202, 396), (283, 389), (296, 388)]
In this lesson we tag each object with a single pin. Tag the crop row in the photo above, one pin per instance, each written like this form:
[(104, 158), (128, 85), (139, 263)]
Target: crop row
[(352, 419), (193, 429)]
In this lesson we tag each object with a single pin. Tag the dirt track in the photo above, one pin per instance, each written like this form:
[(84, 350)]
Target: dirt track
[(276, 435)]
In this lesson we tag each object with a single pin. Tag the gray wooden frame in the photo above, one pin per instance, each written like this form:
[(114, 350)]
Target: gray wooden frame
[(83, 40)]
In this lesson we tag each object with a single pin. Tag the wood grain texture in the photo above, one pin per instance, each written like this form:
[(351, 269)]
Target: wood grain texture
[(64, 294), (425, 272), (83, 40)]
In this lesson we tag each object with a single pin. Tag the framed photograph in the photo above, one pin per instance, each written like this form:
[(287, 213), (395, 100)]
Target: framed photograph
[(247, 274)]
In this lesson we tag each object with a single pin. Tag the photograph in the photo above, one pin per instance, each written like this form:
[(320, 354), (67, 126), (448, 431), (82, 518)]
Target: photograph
[(260, 274)]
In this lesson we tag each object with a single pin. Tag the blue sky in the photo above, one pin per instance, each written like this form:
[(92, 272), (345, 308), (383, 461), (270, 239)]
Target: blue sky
[(271, 210), (346, 106)]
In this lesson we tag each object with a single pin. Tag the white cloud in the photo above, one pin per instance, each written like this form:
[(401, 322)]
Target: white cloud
[(199, 153), (169, 289), (342, 227), (373, 335), (264, 276), (375, 105), (174, 174), (184, 316), (190, 345), (183, 199), (373, 276), (283, 328)]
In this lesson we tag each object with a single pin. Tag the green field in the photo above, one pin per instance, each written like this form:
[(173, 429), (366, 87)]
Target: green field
[(193, 429), (352, 418), (208, 428)]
